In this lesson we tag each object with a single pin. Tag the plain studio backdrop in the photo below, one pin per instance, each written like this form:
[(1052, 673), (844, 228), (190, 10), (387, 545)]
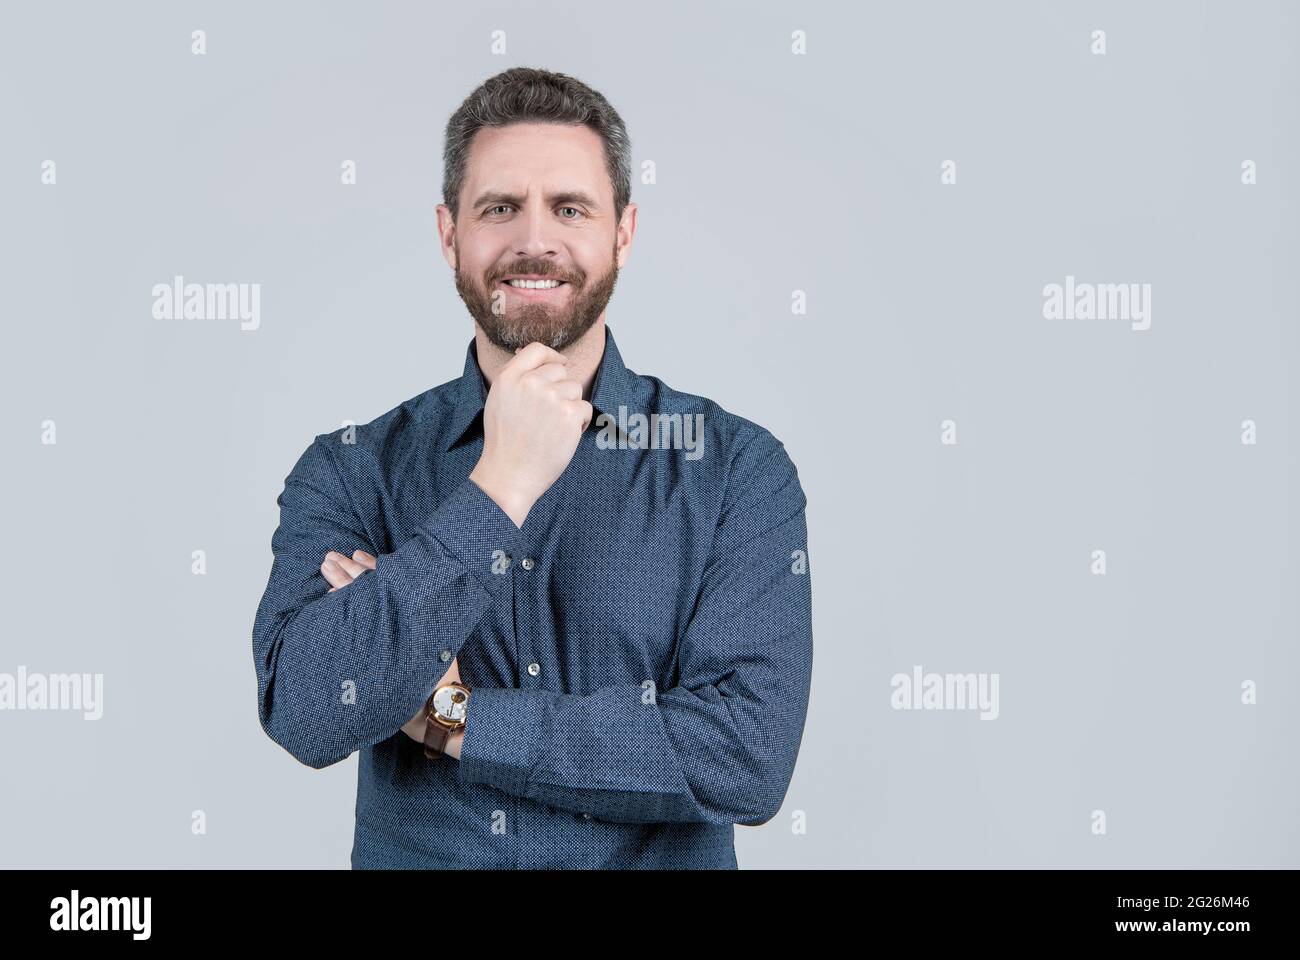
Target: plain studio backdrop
[(779, 177)]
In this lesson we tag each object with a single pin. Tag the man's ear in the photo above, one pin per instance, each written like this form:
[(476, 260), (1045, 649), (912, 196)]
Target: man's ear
[(446, 234), (623, 237)]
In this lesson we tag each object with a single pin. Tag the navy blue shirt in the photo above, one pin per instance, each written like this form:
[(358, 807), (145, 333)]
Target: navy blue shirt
[(639, 652)]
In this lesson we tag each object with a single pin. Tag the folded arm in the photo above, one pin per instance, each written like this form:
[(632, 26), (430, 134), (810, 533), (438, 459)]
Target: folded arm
[(342, 670), (719, 746)]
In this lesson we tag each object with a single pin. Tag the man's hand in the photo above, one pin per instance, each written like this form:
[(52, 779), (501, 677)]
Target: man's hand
[(532, 421), (339, 571)]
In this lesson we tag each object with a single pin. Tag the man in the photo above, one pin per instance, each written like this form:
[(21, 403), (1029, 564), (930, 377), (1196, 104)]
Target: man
[(561, 609)]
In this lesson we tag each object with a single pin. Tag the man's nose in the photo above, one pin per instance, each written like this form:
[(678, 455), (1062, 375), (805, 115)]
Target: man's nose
[(537, 237)]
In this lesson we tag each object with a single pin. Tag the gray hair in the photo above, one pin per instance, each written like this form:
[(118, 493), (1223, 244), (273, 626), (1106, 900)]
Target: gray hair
[(531, 95)]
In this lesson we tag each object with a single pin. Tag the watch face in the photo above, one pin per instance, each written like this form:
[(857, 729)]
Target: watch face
[(450, 703)]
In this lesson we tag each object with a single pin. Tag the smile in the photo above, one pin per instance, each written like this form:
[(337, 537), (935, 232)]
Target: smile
[(537, 290), (534, 284)]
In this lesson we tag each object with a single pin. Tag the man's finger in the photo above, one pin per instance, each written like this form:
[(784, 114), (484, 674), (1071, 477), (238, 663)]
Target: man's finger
[(363, 558), (350, 566), (568, 389), (584, 411), (550, 372), (339, 571), (335, 575), (533, 355)]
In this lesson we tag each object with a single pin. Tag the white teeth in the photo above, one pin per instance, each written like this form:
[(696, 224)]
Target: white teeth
[(534, 284)]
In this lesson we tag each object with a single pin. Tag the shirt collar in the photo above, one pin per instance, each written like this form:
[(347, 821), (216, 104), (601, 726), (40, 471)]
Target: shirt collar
[(613, 387)]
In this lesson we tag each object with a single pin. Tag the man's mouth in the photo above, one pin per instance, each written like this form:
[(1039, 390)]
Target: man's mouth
[(540, 287)]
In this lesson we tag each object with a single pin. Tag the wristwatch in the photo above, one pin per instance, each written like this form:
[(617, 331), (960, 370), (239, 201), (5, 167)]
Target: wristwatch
[(444, 715)]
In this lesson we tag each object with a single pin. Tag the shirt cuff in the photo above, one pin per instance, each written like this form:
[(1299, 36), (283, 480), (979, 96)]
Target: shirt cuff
[(476, 531), (501, 736)]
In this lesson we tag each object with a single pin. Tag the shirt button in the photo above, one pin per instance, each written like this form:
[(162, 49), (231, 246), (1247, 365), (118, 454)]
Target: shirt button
[(586, 816), (528, 563), (534, 669), (445, 656)]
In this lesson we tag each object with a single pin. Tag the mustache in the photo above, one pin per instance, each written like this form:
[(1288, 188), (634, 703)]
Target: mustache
[(539, 270)]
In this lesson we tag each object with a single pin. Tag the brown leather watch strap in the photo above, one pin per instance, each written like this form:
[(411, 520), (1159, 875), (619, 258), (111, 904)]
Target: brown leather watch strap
[(435, 737)]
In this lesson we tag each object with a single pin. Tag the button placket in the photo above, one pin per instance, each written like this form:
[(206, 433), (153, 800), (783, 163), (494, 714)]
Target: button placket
[(528, 563)]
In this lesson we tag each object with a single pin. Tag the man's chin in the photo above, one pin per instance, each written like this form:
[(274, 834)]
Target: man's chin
[(556, 336), (517, 339)]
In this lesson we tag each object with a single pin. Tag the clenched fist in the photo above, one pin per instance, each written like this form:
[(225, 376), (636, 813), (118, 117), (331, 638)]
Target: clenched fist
[(532, 421)]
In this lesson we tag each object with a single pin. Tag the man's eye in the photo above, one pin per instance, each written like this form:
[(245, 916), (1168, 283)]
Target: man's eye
[(574, 209), (500, 206)]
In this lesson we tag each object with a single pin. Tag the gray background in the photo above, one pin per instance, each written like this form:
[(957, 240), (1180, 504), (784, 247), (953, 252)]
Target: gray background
[(775, 173)]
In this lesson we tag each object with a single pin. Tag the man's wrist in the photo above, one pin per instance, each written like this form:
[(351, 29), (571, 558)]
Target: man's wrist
[(512, 503), (454, 740)]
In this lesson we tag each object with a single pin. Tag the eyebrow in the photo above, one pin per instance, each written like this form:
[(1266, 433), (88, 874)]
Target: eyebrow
[(564, 196)]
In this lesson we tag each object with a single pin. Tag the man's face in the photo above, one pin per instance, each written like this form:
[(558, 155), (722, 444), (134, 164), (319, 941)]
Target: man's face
[(537, 203)]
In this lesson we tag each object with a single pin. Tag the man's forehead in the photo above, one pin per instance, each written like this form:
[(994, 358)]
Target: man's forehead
[(534, 159)]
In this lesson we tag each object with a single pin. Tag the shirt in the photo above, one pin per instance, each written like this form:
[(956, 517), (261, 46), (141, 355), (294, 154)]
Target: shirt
[(639, 652)]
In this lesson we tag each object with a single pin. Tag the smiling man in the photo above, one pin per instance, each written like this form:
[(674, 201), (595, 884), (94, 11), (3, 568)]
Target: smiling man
[(548, 652)]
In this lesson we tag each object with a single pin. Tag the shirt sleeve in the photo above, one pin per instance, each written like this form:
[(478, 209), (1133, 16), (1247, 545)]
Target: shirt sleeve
[(342, 670), (720, 745)]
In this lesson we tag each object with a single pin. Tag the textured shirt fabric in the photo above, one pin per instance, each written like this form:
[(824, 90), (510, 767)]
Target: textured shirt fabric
[(639, 652)]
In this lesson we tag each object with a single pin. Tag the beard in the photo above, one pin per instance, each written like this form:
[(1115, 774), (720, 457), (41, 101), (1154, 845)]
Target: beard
[(511, 325)]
